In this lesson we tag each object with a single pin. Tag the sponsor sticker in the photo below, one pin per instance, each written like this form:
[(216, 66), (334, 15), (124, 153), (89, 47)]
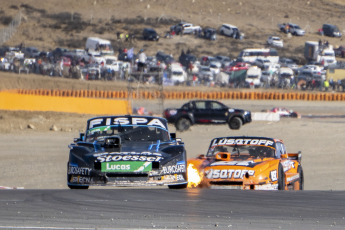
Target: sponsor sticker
[(126, 166), (238, 163), (174, 177), (180, 168), (113, 158), (81, 180), (274, 175), (106, 121), (128, 153), (295, 177), (228, 173), (72, 170), (240, 141)]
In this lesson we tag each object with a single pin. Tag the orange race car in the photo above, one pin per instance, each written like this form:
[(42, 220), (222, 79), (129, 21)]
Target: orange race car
[(250, 163)]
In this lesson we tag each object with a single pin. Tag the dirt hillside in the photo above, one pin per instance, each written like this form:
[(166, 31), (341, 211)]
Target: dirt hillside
[(51, 24)]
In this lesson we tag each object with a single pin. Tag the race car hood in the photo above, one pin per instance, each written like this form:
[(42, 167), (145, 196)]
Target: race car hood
[(127, 151)]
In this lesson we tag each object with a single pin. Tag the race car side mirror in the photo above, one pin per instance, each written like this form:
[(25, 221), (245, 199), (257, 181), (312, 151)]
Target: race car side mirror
[(172, 135), (80, 138), (223, 156)]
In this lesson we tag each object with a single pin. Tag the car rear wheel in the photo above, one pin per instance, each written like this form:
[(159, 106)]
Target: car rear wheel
[(182, 124), (281, 178), (235, 123), (299, 185)]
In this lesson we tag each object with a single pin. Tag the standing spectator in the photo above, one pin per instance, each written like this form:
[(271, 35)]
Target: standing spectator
[(331, 84), (142, 60), (61, 68), (326, 85)]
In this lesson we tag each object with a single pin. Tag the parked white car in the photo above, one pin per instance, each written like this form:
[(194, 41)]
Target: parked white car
[(231, 31), (215, 67), (295, 29), (253, 77), (205, 74), (185, 28), (275, 41), (99, 59), (177, 74), (112, 63)]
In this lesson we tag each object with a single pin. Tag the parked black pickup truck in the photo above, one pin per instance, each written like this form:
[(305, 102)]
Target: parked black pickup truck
[(206, 112)]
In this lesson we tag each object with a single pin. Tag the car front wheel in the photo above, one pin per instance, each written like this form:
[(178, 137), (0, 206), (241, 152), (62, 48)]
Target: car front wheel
[(235, 123), (182, 124), (77, 187), (281, 178), (179, 186)]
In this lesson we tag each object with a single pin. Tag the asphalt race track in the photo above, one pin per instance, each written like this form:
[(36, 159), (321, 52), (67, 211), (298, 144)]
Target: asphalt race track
[(171, 209)]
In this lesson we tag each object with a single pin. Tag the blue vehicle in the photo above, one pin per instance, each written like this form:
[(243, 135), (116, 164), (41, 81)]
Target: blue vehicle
[(127, 151)]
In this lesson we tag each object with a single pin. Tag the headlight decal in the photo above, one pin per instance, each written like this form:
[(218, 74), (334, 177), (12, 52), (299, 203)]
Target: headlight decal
[(274, 175)]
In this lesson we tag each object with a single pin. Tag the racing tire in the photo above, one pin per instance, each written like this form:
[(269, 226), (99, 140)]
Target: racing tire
[(78, 187), (235, 123), (183, 124), (281, 178), (299, 185), (179, 186)]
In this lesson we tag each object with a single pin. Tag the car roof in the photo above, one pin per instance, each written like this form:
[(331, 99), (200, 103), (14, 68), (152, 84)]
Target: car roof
[(203, 100), (232, 26)]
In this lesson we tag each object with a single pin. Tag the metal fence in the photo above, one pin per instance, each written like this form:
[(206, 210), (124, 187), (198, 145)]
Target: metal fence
[(140, 89), (7, 32)]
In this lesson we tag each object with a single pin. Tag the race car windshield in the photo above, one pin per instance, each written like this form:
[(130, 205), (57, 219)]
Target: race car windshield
[(243, 151), (128, 133)]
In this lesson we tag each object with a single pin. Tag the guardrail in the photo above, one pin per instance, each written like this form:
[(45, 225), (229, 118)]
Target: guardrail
[(10, 100), (217, 95)]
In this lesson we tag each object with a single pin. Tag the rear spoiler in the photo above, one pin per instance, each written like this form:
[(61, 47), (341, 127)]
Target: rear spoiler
[(295, 156)]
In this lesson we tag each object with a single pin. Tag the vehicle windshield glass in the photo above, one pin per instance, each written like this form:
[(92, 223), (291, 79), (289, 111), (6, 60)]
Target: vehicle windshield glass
[(128, 133), (329, 54), (178, 73), (110, 62), (243, 152)]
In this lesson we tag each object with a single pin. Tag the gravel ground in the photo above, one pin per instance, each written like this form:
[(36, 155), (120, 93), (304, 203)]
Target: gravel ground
[(36, 158)]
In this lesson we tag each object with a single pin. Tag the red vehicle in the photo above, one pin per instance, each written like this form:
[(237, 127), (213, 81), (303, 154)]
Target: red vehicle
[(66, 61), (283, 112), (237, 66)]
